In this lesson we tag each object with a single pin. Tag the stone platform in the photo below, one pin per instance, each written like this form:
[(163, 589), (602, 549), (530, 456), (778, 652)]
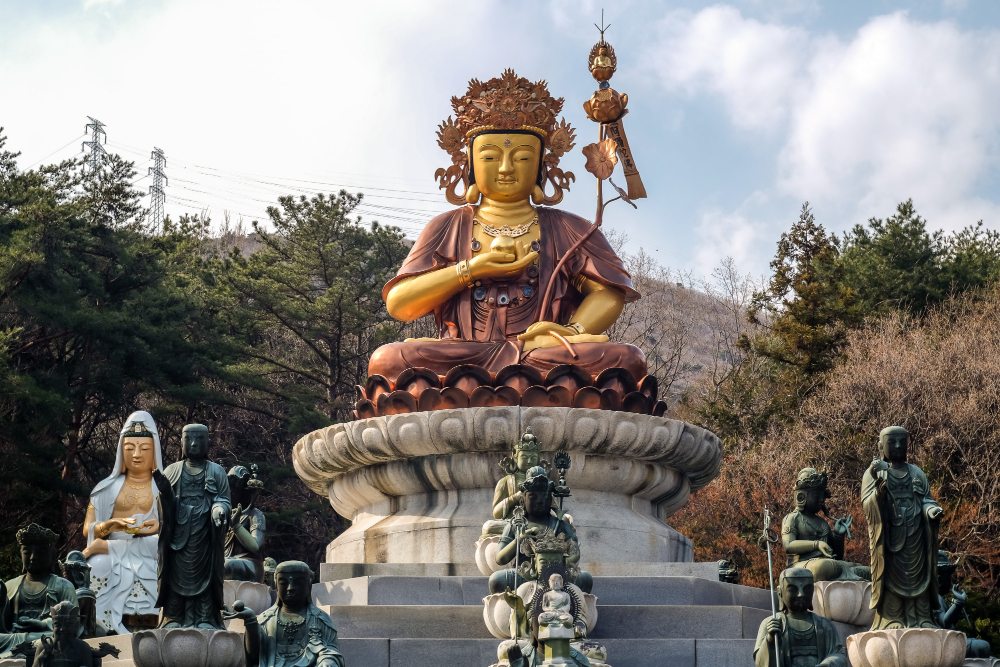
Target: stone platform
[(426, 621), (417, 487)]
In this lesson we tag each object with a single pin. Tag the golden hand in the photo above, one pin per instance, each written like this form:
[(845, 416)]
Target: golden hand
[(500, 265), (539, 334)]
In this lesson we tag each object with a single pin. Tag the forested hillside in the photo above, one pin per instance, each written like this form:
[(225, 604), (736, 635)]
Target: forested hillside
[(263, 332)]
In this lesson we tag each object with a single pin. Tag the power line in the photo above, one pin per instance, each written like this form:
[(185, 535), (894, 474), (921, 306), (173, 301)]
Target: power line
[(157, 198), (97, 152), (55, 151)]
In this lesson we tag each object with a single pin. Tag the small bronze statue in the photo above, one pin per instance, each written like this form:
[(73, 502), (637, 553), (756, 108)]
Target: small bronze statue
[(948, 617), (525, 457), (270, 565), (807, 537), (195, 507), (65, 648), (294, 632), (541, 518), (903, 533), (804, 639), (76, 570), (245, 539), (728, 573), (26, 601)]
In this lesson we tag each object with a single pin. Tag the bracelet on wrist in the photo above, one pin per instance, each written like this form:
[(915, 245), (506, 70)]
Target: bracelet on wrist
[(464, 273), (579, 328)]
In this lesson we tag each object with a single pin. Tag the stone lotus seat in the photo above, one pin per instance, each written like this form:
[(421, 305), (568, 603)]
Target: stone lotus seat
[(467, 385)]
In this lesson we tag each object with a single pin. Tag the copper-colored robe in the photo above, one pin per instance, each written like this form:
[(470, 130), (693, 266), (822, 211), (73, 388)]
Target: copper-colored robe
[(477, 332)]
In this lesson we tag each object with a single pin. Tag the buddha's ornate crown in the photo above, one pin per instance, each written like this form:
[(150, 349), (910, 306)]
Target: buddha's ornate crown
[(137, 429), (528, 442), (547, 543), (502, 104), (809, 478), (65, 611), (35, 534), (536, 479)]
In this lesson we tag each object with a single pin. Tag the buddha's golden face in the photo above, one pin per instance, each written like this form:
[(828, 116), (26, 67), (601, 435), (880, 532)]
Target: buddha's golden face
[(506, 165), (138, 455)]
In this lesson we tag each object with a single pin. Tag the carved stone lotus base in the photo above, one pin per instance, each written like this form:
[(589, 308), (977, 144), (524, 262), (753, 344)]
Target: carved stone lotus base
[(255, 596), (486, 554), (909, 647), (844, 601), (418, 486), (497, 614), (595, 652), (969, 662), (191, 647), (12, 662)]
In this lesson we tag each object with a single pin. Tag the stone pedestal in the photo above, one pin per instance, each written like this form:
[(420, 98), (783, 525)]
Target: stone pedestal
[(191, 647), (844, 601), (969, 662), (417, 487), (909, 647), (486, 554)]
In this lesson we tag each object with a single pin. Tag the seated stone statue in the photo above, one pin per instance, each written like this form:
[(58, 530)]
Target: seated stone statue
[(122, 530), (245, 538), (482, 269), (294, 632), (26, 601), (526, 456), (949, 616), (807, 537), (541, 521), (556, 605), (65, 648), (805, 639)]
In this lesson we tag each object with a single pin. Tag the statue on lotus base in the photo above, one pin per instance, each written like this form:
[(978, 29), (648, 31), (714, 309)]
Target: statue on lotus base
[(807, 537), (195, 507), (902, 530)]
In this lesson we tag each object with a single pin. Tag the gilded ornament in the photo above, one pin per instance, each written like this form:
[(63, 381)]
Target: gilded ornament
[(601, 158)]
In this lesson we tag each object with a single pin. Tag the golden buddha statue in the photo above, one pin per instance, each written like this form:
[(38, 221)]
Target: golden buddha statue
[(483, 268)]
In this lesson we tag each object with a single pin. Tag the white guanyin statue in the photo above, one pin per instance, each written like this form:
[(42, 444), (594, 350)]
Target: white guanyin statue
[(122, 526)]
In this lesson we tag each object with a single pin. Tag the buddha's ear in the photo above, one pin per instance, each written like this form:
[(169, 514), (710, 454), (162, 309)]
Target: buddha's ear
[(537, 195), (472, 194)]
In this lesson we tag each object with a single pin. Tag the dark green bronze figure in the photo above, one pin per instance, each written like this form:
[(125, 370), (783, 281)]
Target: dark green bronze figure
[(26, 601), (245, 539), (508, 495), (65, 648), (195, 507), (76, 570), (949, 616), (805, 639), (294, 632), (807, 537), (537, 491), (902, 529)]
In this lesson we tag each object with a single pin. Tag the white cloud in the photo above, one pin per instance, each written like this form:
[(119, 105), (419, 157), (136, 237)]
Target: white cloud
[(900, 109)]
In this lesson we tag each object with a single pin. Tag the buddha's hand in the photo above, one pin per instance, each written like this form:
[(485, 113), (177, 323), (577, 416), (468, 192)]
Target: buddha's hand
[(539, 334), (773, 628), (218, 516), (934, 512), (501, 265), (825, 549), (44, 650), (842, 526), (25, 624)]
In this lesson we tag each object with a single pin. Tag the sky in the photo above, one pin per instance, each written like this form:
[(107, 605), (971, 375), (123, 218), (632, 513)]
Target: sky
[(740, 111)]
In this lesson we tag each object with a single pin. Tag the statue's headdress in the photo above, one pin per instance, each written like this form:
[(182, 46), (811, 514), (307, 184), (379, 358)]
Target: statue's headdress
[(507, 103), (137, 429), (527, 443), (65, 611), (239, 476), (536, 479), (809, 478), (35, 534)]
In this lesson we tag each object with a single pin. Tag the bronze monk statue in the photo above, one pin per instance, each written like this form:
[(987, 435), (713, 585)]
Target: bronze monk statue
[(482, 269), (805, 639), (194, 493), (294, 632), (807, 537), (902, 529)]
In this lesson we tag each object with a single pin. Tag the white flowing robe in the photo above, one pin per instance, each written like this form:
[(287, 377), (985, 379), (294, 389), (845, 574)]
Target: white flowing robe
[(124, 579)]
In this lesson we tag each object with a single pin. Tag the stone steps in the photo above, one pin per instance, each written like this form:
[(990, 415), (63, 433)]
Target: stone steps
[(329, 572), (404, 590)]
